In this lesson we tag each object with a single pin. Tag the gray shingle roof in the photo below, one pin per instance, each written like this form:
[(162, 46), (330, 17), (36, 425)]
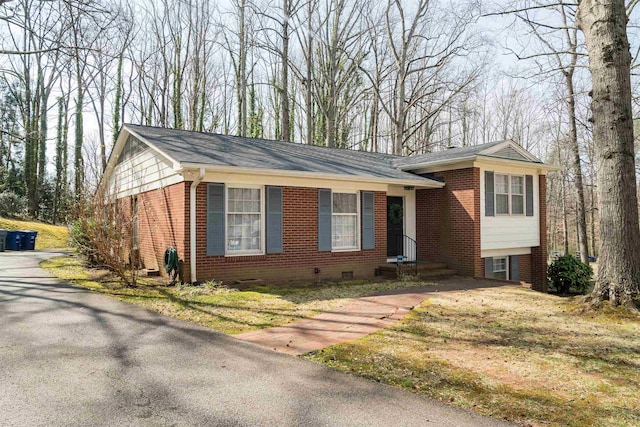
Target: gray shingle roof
[(446, 154), (223, 150)]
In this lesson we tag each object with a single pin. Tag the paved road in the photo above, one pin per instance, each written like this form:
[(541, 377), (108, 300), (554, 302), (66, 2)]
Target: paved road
[(72, 357)]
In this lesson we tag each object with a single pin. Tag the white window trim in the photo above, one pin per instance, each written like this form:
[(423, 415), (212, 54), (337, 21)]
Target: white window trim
[(358, 242), (509, 195), (228, 253), (506, 266)]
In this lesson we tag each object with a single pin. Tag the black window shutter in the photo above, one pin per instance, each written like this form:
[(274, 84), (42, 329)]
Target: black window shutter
[(274, 220), (488, 267), (489, 200), (368, 221), (514, 267), (528, 185), (215, 219), (324, 220)]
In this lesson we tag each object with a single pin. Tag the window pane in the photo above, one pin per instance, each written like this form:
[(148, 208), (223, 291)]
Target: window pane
[(345, 203), (517, 204), (234, 194), (500, 275), (502, 204), (499, 264), (517, 185), (343, 231), (502, 184), (243, 200)]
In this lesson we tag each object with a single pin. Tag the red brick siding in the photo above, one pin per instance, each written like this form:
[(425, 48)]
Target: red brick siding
[(162, 223), (539, 253), (448, 222), (525, 268), (300, 244)]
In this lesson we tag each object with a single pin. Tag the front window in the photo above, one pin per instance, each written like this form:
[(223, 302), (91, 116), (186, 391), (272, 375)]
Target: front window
[(244, 220), (344, 221), (500, 268), (509, 190)]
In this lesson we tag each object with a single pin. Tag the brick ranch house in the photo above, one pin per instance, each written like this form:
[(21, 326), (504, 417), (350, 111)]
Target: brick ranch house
[(239, 208)]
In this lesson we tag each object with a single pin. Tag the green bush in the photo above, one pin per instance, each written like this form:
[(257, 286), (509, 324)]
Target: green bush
[(568, 274), (12, 205)]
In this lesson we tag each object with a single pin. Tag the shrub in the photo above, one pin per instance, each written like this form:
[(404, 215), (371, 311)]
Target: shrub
[(568, 274), (102, 231), (12, 205)]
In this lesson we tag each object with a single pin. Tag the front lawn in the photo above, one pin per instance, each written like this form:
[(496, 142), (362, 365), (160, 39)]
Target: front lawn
[(224, 309), (510, 353)]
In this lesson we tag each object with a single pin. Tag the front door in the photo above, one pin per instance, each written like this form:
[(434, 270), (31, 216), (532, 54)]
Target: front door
[(395, 226)]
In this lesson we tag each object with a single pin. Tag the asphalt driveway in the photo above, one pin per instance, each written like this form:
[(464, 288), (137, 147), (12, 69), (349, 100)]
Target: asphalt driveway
[(72, 357)]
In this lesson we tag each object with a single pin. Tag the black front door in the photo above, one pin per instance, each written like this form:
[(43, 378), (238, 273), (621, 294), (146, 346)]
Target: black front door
[(395, 226)]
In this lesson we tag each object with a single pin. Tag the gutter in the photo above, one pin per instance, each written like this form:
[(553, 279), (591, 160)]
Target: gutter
[(420, 182), (192, 223)]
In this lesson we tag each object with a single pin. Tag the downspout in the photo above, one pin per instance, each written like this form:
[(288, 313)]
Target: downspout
[(192, 223)]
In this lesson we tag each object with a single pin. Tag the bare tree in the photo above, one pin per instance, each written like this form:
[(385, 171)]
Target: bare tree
[(603, 23)]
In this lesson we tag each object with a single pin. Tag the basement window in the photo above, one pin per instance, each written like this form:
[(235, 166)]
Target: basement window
[(500, 268)]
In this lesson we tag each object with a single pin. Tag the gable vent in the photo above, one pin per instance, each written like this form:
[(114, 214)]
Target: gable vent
[(509, 153)]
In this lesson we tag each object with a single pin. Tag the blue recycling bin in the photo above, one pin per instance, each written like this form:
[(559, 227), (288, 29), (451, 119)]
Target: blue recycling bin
[(29, 240), (14, 241)]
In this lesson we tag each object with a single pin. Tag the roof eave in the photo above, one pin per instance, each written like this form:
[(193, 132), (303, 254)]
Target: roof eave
[(436, 163), (421, 183), (523, 163)]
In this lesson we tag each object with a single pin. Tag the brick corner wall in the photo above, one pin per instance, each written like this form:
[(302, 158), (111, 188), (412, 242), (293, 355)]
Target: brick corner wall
[(448, 222), (539, 253), (163, 221)]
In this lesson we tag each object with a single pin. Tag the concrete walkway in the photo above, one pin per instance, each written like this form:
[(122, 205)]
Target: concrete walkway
[(354, 319), (71, 357)]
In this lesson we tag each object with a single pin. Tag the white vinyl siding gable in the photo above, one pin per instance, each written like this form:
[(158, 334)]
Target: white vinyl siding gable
[(142, 170)]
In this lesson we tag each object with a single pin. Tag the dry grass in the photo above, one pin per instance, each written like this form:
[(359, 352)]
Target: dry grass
[(49, 236), (220, 308), (510, 353)]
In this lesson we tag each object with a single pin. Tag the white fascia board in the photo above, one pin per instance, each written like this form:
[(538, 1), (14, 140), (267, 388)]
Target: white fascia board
[(316, 175), (427, 165), (540, 167)]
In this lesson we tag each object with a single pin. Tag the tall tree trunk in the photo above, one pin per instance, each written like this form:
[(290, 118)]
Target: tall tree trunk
[(583, 244), (308, 96), (241, 76), (79, 134), (603, 23), (59, 159), (117, 101), (284, 82)]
